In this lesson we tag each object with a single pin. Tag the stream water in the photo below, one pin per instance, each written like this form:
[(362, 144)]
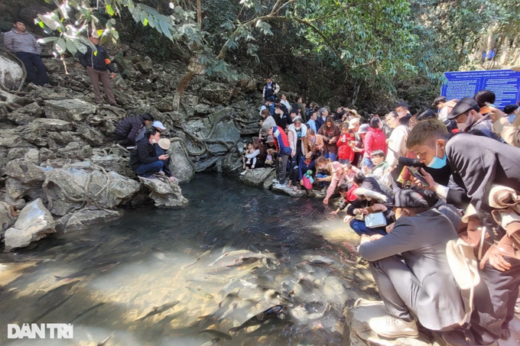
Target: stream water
[(193, 276)]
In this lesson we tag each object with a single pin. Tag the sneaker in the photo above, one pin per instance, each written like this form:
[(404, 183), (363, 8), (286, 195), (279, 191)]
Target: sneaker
[(243, 173), (392, 327)]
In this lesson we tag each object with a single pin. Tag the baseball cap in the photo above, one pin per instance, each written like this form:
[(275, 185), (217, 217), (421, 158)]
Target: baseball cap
[(158, 125), (363, 128), (464, 105)]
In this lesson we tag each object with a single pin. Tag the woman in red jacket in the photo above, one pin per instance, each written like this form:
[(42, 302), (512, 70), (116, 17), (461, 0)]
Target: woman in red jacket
[(345, 152), (375, 139)]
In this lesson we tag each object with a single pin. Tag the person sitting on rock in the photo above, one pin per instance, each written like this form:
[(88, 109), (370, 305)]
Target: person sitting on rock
[(130, 130), (97, 63), (144, 160), (161, 148), (27, 49), (411, 270)]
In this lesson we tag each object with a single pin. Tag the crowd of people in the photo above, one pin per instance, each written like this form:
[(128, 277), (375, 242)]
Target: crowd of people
[(434, 196)]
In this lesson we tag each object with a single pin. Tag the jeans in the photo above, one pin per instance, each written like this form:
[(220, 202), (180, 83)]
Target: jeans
[(282, 168), (31, 61), (149, 168), (360, 228), (323, 183), (367, 162), (330, 156), (344, 162)]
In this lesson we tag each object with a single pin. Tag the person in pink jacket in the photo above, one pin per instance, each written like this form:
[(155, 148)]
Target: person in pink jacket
[(375, 139), (337, 175)]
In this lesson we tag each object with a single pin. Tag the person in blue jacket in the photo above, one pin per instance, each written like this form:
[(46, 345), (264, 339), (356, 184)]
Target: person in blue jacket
[(283, 148)]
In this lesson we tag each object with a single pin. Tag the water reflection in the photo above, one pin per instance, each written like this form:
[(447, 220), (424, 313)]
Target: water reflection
[(199, 276)]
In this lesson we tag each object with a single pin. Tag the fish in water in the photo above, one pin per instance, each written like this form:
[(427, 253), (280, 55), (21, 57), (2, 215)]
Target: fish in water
[(101, 267), (104, 342), (216, 334), (272, 312), (159, 309), (87, 312), (198, 259)]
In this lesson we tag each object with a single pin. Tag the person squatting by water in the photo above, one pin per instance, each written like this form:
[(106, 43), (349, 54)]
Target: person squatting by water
[(425, 193)]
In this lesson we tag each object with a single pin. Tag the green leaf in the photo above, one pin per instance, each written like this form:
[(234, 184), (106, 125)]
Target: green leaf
[(61, 46), (165, 28), (51, 23), (46, 40), (110, 10), (71, 47)]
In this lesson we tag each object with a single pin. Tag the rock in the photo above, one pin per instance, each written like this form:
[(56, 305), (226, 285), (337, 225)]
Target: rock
[(165, 194), (91, 135), (269, 181), (180, 164), (6, 218), (288, 190), (84, 218), (202, 165), (360, 334), (70, 188), (202, 109), (25, 115), (218, 93), (256, 177), (224, 132), (114, 162), (53, 124), (75, 150), (24, 179), (11, 139), (69, 110), (34, 223), (32, 156), (28, 13), (165, 105), (11, 73), (146, 65)]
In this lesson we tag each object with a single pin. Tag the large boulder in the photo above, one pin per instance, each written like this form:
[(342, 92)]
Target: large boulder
[(24, 179), (256, 177), (11, 73), (288, 190), (11, 139), (180, 163), (6, 218), (358, 332), (69, 110), (68, 189), (34, 223), (25, 115), (224, 136), (218, 93), (165, 193), (53, 124), (84, 218)]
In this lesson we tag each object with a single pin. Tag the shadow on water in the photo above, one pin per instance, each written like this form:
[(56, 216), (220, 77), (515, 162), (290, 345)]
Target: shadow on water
[(188, 277)]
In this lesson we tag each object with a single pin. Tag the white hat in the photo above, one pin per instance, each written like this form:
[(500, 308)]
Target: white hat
[(158, 125), (164, 143), (353, 123)]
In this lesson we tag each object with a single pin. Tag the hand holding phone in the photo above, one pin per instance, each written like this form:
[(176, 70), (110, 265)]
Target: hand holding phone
[(418, 176)]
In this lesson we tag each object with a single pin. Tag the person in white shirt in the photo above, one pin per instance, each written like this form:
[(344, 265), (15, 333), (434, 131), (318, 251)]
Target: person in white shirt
[(397, 140)]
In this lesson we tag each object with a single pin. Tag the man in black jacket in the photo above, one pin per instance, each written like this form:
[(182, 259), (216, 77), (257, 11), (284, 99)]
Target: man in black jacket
[(130, 130), (477, 163), (469, 120), (97, 64), (144, 160)]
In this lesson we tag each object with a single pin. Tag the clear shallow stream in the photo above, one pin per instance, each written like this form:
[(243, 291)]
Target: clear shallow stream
[(186, 277)]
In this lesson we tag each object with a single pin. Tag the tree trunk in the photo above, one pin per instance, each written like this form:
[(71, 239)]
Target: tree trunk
[(199, 13), (180, 89)]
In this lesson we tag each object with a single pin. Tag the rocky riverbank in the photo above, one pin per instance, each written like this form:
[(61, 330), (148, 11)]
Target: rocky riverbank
[(57, 146)]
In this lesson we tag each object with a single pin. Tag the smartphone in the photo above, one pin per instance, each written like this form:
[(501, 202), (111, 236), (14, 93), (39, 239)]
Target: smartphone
[(418, 176)]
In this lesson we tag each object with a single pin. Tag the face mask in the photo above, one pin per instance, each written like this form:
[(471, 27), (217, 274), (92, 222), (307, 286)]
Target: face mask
[(436, 162), (465, 125), (154, 141)]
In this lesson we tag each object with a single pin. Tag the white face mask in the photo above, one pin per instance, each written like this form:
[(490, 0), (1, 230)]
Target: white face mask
[(463, 126), (154, 141)]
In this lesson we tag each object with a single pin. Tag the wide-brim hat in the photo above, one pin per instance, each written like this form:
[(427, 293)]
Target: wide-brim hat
[(164, 143), (353, 123), (363, 128)]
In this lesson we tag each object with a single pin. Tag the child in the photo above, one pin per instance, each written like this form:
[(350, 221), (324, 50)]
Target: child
[(345, 151), (249, 159), (348, 196), (380, 165), (271, 155), (307, 165)]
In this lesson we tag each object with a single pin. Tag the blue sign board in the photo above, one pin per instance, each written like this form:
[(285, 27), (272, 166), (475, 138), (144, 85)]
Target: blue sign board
[(504, 83)]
